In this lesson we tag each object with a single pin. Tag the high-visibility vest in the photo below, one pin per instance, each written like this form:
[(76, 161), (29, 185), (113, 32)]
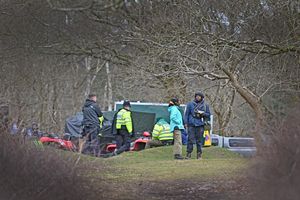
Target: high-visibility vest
[(101, 119), (124, 119), (162, 132)]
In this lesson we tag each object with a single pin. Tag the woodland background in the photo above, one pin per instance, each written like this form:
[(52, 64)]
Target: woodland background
[(244, 55)]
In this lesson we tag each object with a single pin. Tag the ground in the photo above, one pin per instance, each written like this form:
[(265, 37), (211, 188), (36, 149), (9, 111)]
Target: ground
[(154, 174)]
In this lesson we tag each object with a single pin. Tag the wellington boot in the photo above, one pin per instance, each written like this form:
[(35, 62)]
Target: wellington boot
[(178, 157), (199, 156), (188, 156)]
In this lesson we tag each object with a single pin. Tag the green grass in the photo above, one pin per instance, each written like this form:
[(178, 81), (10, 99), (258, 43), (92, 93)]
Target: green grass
[(158, 164)]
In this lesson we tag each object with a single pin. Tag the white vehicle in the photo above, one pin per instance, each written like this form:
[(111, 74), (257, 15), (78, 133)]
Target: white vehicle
[(241, 145)]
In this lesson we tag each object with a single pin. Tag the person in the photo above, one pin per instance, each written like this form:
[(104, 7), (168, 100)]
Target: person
[(196, 114), (14, 127), (33, 131), (123, 128), (161, 134), (176, 125), (91, 124)]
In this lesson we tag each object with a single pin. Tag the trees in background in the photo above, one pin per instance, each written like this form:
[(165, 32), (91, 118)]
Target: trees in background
[(244, 55)]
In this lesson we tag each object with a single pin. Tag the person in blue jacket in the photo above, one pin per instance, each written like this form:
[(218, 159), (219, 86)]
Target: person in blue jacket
[(196, 114), (176, 125), (184, 137)]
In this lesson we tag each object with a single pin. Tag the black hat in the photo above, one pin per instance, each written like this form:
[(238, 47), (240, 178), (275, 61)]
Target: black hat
[(126, 103), (199, 94), (174, 101)]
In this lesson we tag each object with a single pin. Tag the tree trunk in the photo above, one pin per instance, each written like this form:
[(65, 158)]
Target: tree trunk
[(254, 103), (228, 113), (89, 76), (109, 88)]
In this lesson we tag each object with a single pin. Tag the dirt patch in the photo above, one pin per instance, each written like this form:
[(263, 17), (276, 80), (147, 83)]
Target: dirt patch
[(185, 189)]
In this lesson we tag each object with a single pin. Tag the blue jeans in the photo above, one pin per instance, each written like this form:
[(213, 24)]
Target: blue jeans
[(195, 135)]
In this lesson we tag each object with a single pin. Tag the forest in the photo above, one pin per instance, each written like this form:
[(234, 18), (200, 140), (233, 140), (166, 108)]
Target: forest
[(243, 55)]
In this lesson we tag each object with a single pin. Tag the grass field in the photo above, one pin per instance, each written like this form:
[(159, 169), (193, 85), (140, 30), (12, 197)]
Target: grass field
[(156, 175), (158, 164)]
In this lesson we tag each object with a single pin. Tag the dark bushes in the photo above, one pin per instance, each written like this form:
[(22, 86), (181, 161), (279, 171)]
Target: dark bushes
[(29, 171), (277, 168)]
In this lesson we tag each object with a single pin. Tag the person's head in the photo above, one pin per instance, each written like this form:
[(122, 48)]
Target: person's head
[(92, 97), (199, 96), (35, 126), (174, 102), (126, 104), (160, 120)]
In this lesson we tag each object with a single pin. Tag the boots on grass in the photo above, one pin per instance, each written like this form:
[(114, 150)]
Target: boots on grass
[(178, 157), (188, 156), (199, 155)]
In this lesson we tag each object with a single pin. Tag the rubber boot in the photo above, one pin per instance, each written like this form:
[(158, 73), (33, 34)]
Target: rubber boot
[(178, 157), (199, 155), (188, 156)]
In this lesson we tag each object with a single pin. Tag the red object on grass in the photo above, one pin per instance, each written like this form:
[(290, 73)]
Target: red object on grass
[(137, 145), (63, 144)]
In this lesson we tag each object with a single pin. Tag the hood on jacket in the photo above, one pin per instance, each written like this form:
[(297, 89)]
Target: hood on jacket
[(88, 102), (161, 121), (199, 94), (173, 107)]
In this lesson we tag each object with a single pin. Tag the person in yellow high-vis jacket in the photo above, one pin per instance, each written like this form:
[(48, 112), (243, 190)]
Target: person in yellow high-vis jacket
[(124, 128), (161, 134)]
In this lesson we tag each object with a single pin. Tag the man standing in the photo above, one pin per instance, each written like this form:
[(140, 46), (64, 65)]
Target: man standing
[(176, 125), (91, 124), (196, 114), (123, 125), (161, 134)]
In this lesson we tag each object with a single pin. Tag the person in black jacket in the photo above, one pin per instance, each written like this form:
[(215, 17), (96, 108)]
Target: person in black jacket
[(91, 124)]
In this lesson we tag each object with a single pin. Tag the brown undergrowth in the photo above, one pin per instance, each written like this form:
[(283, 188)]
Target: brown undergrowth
[(30, 171), (276, 171)]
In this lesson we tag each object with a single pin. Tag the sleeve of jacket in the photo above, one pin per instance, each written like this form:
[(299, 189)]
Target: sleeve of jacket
[(98, 110), (174, 117), (128, 121), (132, 122), (113, 128), (187, 112), (156, 132), (207, 112)]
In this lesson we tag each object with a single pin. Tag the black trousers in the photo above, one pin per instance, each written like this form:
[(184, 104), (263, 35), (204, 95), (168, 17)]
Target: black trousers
[(123, 141), (195, 135), (92, 145)]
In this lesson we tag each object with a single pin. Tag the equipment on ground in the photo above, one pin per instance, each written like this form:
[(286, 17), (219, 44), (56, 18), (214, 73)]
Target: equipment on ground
[(206, 142), (54, 140), (136, 145)]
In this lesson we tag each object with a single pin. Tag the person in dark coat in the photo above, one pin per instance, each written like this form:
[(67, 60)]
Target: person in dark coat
[(196, 114), (91, 124)]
